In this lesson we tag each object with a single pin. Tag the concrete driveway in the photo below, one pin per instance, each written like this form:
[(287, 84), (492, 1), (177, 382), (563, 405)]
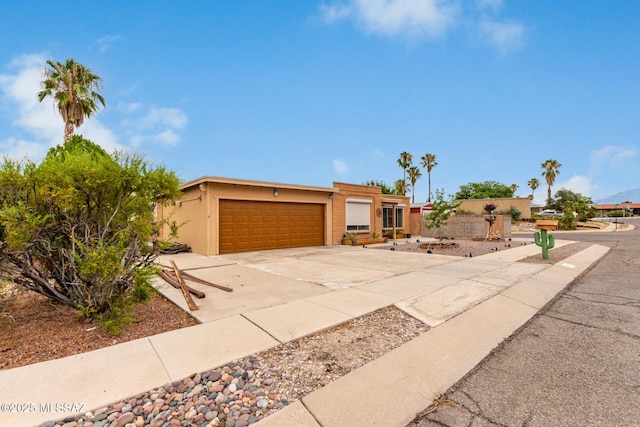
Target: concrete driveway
[(268, 278)]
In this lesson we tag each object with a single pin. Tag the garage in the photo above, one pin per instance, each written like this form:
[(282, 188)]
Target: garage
[(259, 225)]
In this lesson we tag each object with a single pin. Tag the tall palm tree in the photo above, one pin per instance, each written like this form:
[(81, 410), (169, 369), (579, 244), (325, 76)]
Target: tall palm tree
[(429, 162), (404, 161), (514, 188), (400, 187), (72, 87), (533, 183), (414, 175), (551, 170)]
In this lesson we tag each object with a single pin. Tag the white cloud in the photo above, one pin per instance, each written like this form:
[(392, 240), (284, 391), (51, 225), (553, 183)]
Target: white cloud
[(407, 18), (340, 167), (19, 100), (104, 43), (506, 37), (19, 148), (36, 126), (129, 107), (376, 154), (494, 5), (611, 156), (577, 184), (334, 12), (157, 125)]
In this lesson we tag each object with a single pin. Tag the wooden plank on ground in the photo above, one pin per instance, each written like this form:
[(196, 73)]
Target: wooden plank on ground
[(183, 286)]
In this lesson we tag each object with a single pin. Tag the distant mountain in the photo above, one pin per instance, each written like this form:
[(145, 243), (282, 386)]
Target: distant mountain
[(625, 196)]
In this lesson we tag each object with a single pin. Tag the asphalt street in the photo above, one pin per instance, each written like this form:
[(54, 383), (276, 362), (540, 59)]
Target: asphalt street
[(576, 363)]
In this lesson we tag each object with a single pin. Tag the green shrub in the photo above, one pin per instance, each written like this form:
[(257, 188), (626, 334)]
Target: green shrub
[(567, 221), (464, 212), (513, 212), (617, 214), (77, 227)]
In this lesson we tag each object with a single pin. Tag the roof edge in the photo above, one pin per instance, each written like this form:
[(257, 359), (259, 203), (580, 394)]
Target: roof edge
[(248, 182)]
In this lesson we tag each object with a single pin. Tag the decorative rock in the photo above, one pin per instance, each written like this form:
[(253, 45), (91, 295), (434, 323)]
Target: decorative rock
[(190, 414), (48, 424), (139, 422), (216, 388), (262, 403), (123, 419)]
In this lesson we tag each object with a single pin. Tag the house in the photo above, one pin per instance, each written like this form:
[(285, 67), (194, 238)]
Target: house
[(219, 215), (629, 209)]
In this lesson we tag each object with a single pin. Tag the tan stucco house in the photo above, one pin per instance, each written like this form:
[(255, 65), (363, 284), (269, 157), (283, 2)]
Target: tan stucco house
[(226, 215)]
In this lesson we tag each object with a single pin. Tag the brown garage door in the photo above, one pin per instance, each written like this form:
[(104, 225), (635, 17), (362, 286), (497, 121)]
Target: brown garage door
[(254, 226)]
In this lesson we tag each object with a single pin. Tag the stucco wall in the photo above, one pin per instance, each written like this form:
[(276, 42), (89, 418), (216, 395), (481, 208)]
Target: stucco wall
[(523, 204), (378, 200), (339, 212), (200, 219), (469, 227)]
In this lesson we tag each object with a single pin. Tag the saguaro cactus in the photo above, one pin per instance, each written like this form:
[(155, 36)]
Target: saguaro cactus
[(546, 243)]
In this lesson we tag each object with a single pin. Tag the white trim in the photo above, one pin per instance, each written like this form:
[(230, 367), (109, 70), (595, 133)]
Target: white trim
[(359, 201)]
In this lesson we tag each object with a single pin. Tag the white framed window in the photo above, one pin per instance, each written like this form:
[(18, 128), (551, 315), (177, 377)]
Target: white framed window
[(399, 217), (358, 214), (387, 217)]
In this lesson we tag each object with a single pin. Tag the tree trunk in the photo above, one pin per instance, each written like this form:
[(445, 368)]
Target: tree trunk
[(68, 131), (429, 196)]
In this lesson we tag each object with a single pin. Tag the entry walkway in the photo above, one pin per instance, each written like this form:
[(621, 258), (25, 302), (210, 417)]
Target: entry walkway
[(472, 304)]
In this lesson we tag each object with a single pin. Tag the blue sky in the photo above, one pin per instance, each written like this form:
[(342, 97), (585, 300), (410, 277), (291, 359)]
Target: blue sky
[(311, 92)]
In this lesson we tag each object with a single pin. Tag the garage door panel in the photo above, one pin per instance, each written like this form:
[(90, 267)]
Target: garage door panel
[(251, 226)]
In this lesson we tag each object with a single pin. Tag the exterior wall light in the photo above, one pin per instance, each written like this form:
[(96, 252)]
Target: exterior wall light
[(275, 192)]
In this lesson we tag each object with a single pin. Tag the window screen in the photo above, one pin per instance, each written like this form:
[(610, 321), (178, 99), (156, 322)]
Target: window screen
[(358, 215)]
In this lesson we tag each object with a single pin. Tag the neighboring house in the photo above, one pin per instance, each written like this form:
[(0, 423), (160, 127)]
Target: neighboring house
[(423, 208), (630, 208), (224, 215)]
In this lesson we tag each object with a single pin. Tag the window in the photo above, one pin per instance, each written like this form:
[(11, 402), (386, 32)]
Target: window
[(399, 217), (358, 214), (387, 217)]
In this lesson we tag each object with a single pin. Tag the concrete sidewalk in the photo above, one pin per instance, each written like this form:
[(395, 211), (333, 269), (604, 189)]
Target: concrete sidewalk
[(472, 304)]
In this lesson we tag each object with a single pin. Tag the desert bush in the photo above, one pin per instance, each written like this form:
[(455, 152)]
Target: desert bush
[(77, 227), (441, 211), (513, 212), (617, 214), (567, 221)]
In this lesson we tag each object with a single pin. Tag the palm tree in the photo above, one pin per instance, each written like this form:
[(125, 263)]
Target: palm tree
[(429, 162), (514, 188), (414, 175), (400, 187), (533, 183), (404, 161), (72, 86), (551, 170)]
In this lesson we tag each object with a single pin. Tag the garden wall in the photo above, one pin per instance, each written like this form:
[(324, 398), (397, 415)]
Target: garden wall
[(469, 227)]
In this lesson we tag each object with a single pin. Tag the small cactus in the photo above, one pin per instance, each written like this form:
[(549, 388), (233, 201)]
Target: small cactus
[(546, 243)]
